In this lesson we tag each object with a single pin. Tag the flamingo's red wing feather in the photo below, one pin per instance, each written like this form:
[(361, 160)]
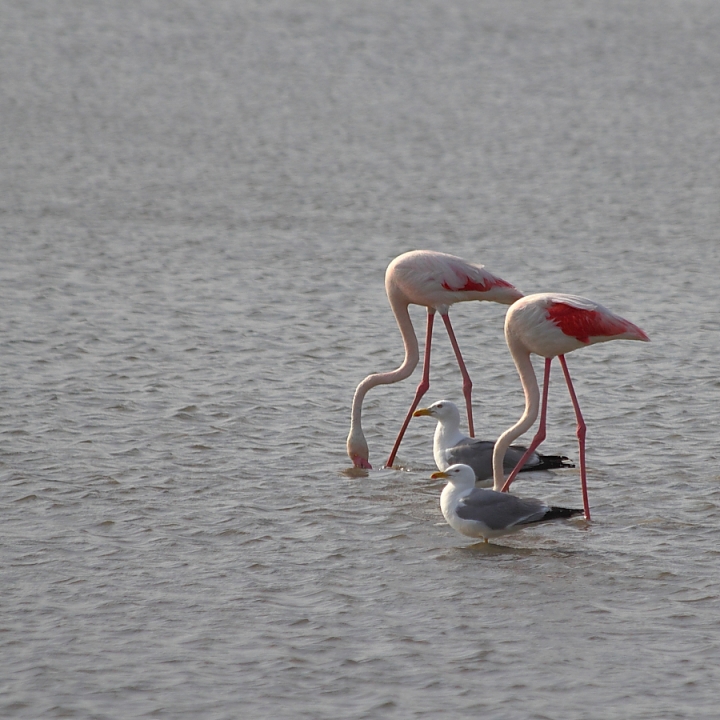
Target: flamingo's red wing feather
[(583, 324), (468, 284)]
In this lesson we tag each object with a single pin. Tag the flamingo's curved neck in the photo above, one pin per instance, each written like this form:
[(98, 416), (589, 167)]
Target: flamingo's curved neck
[(412, 356), (532, 404)]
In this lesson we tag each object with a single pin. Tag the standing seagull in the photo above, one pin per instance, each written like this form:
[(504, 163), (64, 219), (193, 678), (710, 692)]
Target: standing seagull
[(550, 325), (435, 280), (451, 447), (486, 513)]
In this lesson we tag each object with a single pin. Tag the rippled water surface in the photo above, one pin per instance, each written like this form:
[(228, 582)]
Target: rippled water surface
[(198, 202)]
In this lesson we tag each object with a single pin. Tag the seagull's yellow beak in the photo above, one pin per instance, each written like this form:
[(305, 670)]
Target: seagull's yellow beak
[(421, 412), (439, 476)]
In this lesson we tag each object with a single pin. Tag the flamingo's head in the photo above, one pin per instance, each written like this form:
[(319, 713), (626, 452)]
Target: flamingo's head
[(361, 462), (357, 449)]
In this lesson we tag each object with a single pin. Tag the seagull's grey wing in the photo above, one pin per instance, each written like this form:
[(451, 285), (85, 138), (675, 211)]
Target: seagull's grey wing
[(478, 455), (475, 453), (474, 441), (500, 510), (513, 455), (536, 461)]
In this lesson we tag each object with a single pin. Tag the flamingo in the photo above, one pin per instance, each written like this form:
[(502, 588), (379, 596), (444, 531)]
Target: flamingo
[(487, 513), (451, 447), (435, 280), (551, 325)]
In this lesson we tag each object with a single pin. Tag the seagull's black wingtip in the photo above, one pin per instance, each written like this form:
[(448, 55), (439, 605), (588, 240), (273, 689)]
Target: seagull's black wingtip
[(560, 513)]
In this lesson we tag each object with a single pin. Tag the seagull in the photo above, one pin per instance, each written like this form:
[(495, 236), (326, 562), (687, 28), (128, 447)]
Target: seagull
[(450, 447), (488, 513)]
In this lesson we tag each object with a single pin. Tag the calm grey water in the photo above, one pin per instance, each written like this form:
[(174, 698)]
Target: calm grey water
[(198, 201)]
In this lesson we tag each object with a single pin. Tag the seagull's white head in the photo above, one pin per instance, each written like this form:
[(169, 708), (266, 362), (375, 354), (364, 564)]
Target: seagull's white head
[(443, 411), (461, 476)]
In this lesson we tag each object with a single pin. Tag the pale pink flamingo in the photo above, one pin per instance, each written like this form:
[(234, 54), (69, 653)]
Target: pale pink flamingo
[(435, 280), (551, 325)]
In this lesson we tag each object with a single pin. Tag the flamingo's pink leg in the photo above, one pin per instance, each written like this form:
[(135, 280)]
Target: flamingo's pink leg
[(422, 388), (581, 428), (540, 436), (467, 382)]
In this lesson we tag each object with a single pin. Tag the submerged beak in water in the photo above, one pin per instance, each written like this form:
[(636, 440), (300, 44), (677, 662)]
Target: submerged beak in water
[(360, 462)]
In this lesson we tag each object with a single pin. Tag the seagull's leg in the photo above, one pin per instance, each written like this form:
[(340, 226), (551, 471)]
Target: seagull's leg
[(467, 382), (581, 428), (422, 388), (540, 435)]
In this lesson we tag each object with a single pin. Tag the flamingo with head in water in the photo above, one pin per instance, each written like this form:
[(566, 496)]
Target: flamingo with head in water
[(551, 325), (435, 280)]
